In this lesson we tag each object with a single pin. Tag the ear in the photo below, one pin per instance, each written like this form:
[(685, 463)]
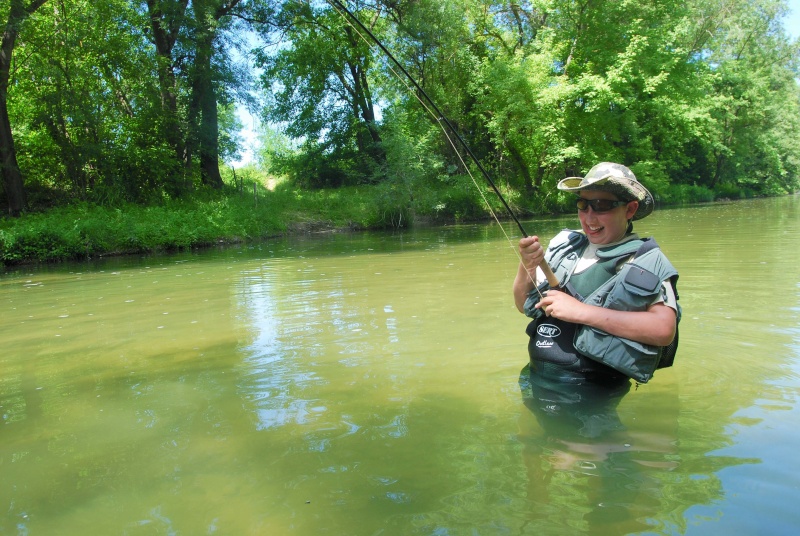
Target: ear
[(631, 209)]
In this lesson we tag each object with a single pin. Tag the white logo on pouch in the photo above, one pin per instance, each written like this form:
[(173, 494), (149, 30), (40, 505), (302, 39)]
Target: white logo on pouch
[(548, 330)]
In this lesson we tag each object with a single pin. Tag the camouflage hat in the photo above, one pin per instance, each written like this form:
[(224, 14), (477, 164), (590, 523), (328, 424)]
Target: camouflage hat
[(615, 179)]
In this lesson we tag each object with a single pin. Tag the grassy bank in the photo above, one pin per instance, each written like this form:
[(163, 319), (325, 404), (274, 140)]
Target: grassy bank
[(234, 215), (245, 214), (84, 230)]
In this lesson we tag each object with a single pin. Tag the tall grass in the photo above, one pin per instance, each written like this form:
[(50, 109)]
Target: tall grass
[(85, 230)]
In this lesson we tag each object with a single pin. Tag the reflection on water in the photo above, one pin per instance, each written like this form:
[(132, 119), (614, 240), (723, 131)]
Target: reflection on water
[(573, 411), (370, 384)]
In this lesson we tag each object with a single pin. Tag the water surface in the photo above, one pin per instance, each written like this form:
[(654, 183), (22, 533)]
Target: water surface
[(369, 384)]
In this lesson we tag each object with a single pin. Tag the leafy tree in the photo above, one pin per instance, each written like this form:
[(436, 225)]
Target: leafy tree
[(133, 100), (112, 101), (524, 116), (191, 68), (320, 88), (167, 18), (87, 101), (635, 82), (755, 67)]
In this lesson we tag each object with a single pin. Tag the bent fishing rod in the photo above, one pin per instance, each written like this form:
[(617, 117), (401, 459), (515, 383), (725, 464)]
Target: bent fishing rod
[(337, 4)]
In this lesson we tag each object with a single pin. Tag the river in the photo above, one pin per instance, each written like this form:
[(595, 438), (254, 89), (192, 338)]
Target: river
[(370, 384)]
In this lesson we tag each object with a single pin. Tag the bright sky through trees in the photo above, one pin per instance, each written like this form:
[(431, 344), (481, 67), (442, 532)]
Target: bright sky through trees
[(793, 19)]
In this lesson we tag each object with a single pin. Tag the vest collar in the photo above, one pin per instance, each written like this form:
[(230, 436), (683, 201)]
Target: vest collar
[(626, 246)]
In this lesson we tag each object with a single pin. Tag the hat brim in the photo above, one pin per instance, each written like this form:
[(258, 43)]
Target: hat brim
[(625, 189)]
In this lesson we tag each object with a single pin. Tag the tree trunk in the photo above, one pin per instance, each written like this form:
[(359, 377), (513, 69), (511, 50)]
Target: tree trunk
[(205, 101), (166, 20), (13, 182), (12, 176), (365, 110), (204, 97), (209, 131)]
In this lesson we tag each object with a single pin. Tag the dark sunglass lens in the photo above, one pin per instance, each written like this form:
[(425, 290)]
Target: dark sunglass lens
[(598, 205), (602, 205)]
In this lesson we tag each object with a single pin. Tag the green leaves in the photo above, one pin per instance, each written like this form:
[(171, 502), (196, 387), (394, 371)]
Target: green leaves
[(118, 101)]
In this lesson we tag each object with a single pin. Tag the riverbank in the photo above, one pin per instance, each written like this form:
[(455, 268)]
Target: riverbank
[(84, 231)]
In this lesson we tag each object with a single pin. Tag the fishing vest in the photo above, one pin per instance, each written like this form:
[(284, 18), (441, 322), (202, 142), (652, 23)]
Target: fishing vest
[(574, 351)]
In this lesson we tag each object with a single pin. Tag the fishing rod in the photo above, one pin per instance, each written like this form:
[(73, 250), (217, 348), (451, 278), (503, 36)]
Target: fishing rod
[(551, 278)]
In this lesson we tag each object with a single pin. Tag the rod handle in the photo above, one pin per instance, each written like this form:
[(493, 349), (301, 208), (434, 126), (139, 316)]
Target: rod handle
[(548, 273)]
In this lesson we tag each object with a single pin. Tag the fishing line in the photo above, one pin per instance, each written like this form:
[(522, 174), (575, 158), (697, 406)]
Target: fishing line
[(431, 107), (439, 120), (439, 116)]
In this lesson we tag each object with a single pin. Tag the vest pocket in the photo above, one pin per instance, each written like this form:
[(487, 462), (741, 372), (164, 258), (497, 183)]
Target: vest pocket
[(634, 359)]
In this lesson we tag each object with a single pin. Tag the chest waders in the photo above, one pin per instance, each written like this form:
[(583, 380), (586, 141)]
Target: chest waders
[(575, 353)]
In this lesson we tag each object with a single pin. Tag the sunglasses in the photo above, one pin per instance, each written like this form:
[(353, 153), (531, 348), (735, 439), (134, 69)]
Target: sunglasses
[(598, 205)]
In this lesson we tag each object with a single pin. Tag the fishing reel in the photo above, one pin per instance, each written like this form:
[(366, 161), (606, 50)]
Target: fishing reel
[(533, 298), (538, 293)]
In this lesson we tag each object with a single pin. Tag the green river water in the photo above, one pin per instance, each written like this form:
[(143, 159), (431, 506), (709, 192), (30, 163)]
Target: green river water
[(368, 384)]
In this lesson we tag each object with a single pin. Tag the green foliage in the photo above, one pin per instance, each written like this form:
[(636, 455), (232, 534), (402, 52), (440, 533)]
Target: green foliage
[(84, 230), (115, 124), (85, 103), (545, 90), (678, 194), (321, 90), (235, 215), (101, 116)]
